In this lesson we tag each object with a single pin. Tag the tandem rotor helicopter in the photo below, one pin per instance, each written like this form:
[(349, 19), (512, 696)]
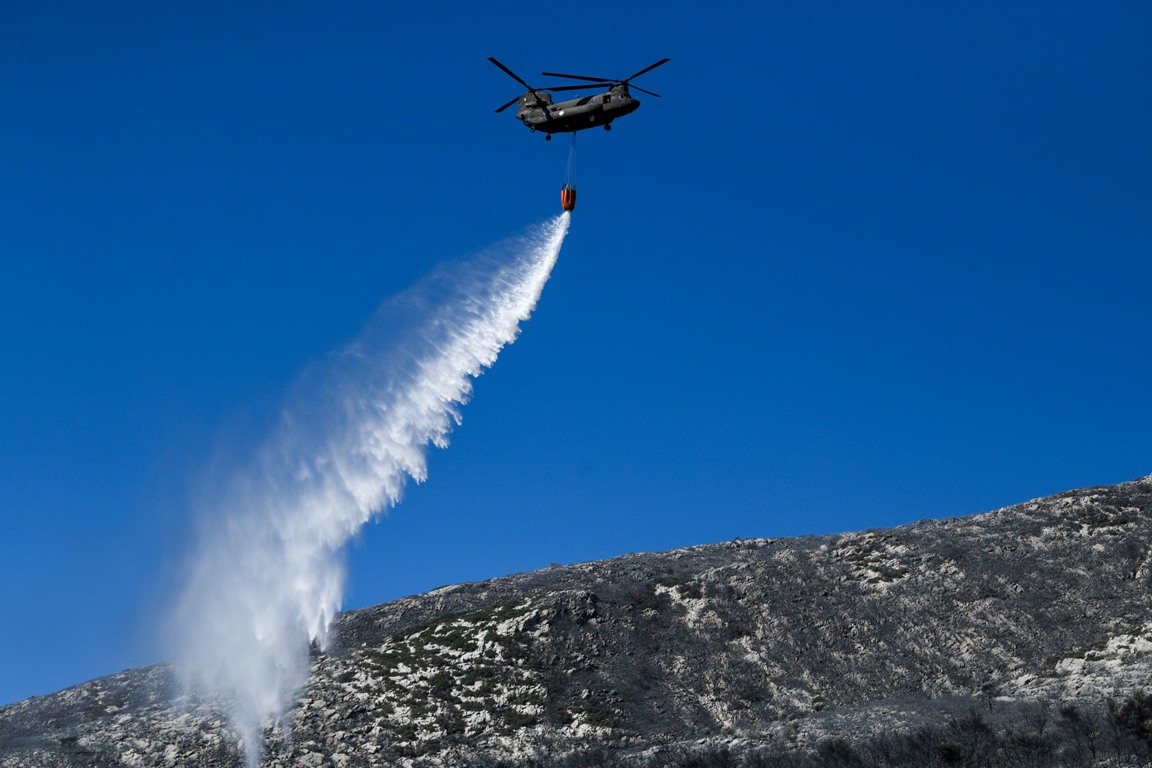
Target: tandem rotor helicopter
[(537, 111)]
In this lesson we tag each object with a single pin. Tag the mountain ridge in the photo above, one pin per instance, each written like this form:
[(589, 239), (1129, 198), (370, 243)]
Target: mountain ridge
[(765, 651)]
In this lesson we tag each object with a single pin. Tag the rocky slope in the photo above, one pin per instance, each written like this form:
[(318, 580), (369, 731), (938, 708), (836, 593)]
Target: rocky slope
[(1017, 637)]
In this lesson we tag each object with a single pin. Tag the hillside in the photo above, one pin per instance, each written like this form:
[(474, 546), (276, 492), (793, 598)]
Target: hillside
[(1016, 637)]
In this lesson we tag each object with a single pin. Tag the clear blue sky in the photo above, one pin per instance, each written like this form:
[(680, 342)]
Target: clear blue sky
[(863, 263)]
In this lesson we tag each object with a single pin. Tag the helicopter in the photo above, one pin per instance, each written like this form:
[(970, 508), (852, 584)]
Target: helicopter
[(537, 111)]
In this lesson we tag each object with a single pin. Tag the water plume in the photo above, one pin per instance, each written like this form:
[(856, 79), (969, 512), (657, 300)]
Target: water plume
[(268, 574)]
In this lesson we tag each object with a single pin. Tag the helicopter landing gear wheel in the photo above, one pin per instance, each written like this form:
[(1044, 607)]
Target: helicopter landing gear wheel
[(608, 127), (548, 137)]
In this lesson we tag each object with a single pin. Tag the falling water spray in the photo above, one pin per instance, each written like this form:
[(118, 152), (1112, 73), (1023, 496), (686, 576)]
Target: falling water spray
[(268, 575)]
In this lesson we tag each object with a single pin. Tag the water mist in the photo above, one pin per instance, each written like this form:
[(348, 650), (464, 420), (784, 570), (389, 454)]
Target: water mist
[(268, 573)]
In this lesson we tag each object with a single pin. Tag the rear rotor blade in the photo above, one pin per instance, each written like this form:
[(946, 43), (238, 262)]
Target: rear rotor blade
[(649, 69), (580, 77), (512, 74), (574, 87), (598, 85), (638, 88)]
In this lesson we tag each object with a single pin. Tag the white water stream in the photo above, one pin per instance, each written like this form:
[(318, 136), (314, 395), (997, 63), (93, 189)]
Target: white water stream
[(268, 573)]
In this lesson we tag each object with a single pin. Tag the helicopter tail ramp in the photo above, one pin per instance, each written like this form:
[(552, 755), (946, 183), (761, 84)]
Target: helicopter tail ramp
[(267, 575)]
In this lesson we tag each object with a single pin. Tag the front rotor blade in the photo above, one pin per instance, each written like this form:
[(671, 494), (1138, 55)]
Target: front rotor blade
[(512, 74), (580, 77), (501, 109), (649, 69)]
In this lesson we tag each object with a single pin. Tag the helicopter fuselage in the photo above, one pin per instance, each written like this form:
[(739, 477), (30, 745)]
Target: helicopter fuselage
[(537, 111)]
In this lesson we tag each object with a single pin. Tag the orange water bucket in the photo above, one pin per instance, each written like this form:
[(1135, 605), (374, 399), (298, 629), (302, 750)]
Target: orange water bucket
[(568, 197)]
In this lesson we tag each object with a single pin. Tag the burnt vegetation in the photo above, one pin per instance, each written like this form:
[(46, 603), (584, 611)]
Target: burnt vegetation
[(1021, 637), (1036, 735)]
